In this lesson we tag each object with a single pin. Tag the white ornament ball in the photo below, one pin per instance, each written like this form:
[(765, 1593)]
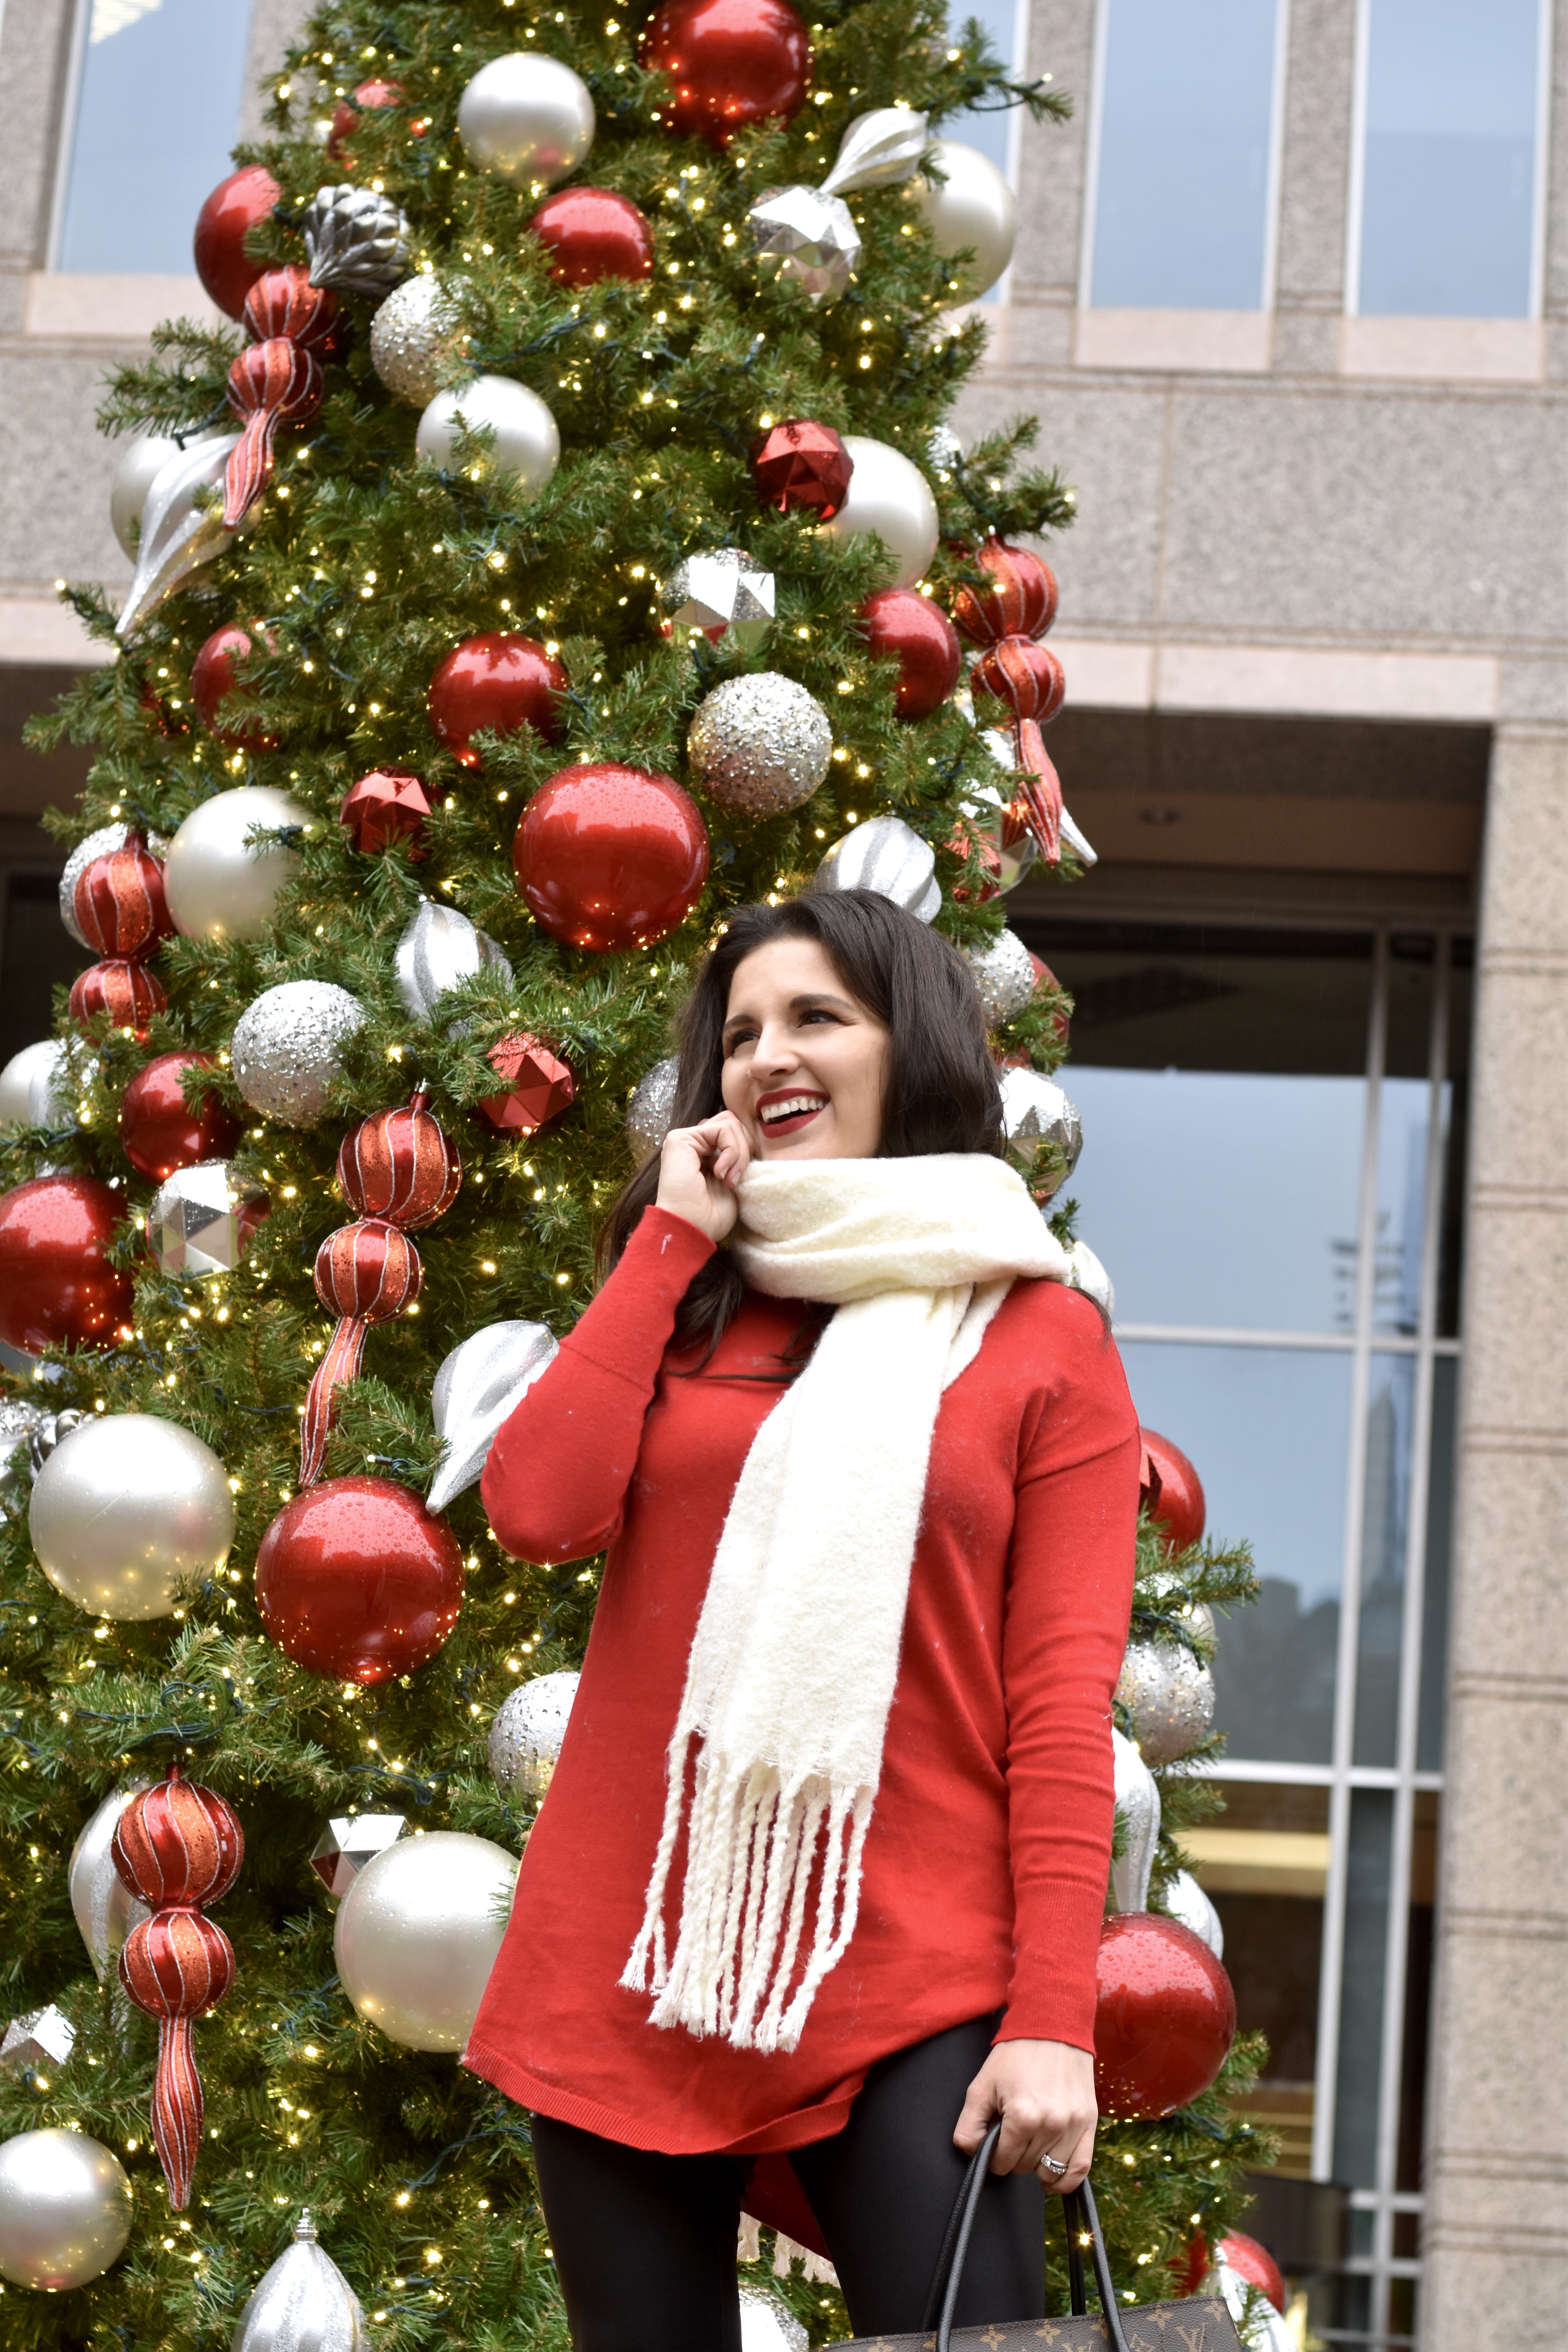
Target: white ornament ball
[(1005, 975), (1169, 1697), (892, 497), (105, 1908), (760, 743), (411, 337), (975, 208), (141, 462), (1185, 1901), (651, 1114), (64, 2210), (286, 1048), (526, 1736), (768, 2325), (128, 1508), (218, 886), (526, 120), (417, 1935), (527, 447), (30, 1083)]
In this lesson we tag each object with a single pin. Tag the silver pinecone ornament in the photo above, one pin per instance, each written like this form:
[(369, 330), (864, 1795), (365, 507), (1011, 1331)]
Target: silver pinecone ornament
[(303, 2305), (356, 241)]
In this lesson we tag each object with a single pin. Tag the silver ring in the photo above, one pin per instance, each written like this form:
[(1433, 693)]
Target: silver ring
[(1052, 2165)]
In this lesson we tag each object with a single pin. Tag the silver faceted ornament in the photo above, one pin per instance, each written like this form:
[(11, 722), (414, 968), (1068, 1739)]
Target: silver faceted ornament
[(348, 1843), (526, 1736), (42, 2039), (1186, 1901), (478, 1386), (1039, 1117), (355, 241), (761, 744), (418, 1934), (526, 120), (287, 1045), (651, 1114), (105, 1908), (180, 531), (812, 237), (131, 1509), (304, 2304), (201, 1219), (768, 2325), (722, 592), (1137, 1812), (1004, 976), (887, 856), (102, 841), (412, 335), (440, 947), (1169, 1697), (527, 445), (64, 2210)]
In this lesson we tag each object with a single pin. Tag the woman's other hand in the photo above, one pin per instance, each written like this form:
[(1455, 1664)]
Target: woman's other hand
[(1044, 2094), (699, 1169)]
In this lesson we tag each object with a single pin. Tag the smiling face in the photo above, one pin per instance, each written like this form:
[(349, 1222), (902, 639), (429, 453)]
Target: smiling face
[(804, 1062)]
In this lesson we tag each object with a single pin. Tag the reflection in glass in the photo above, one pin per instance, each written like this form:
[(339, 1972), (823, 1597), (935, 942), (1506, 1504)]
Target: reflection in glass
[(161, 83), (1403, 1122), (1267, 1428), (1185, 133), (1361, 2000), (1439, 1539), (1386, 1519)]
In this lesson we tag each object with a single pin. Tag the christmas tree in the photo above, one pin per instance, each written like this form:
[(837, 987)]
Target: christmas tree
[(558, 551)]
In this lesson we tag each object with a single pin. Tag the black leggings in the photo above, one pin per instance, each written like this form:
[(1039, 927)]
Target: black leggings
[(645, 2244)]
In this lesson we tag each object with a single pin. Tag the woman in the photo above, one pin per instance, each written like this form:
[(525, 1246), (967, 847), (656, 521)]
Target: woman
[(822, 1866)]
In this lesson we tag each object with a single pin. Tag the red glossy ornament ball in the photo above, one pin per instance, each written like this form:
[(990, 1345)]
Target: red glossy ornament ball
[(1020, 602), (538, 1085), (213, 684), (801, 464), (1026, 678), (121, 989), (593, 233), (496, 682), (1255, 2264), (177, 1842), (731, 62), (159, 1131), (609, 858), (389, 804), (235, 205), (1164, 2015), (119, 902), (370, 1269), (1171, 1490), (399, 1164), (921, 640), (356, 1580), (56, 1285)]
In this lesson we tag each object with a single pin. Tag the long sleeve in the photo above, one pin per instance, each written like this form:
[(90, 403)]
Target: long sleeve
[(555, 1482)]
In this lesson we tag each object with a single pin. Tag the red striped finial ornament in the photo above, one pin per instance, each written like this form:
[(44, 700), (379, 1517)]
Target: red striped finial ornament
[(120, 910), (1016, 606), (285, 303), (270, 384)]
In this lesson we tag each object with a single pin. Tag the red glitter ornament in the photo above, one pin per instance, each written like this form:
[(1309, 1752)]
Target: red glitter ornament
[(609, 858), (1006, 617), (495, 683), (369, 95), (284, 302), (235, 207), (1025, 676), (1171, 1491), (389, 804), (800, 464), (538, 1085), (177, 1846), (355, 1580), (921, 639), (729, 62), (159, 1132), (119, 902), (270, 384), (213, 684), (399, 1164), (58, 1287), (1164, 2015), (1020, 602), (121, 989), (592, 234)]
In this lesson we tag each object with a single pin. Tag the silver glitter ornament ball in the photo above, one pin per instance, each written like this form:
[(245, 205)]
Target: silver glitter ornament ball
[(304, 2304), (812, 237), (760, 744), (287, 1047), (126, 1511), (202, 1218), (651, 1111), (412, 335), (1005, 975), (526, 1736), (105, 1908), (768, 2325), (355, 241), (1036, 1116), (1169, 1697), (721, 592), (64, 2210), (417, 1935)]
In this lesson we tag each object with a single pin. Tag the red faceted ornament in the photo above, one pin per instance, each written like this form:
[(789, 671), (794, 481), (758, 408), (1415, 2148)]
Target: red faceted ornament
[(235, 205), (538, 1085), (121, 989), (1164, 2015), (729, 62), (387, 805), (399, 1164), (1020, 602), (921, 639), (1171, 1491), (355, 1580), (159, 1132), (1025, 676), (593, 233), (284, 302), (58, 1287), (609, 858), (213, 684), (369, 1270), (270, 384), (119, 902), (801, 465), (496, 682), (372, 95)]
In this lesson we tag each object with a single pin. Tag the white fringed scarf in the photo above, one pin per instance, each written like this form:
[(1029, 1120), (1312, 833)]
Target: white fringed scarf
[(795, 1654)]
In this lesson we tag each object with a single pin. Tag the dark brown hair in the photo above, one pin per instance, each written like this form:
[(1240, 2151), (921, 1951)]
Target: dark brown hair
[(942, 1092)]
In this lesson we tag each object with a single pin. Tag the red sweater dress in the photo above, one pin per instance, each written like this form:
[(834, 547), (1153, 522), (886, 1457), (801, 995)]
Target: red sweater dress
[(985, 1864)]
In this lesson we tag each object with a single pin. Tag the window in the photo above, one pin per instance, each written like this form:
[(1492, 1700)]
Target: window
[(1446, 209), (1184, 158), (156, 109), (1272, 1172)]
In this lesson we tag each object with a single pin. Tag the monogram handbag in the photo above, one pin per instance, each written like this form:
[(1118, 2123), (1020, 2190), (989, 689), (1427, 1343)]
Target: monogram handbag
[(1199, 2324)]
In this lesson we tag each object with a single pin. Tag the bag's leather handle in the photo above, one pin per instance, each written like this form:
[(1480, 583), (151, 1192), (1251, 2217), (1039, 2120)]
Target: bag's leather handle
[(1082, 2221)]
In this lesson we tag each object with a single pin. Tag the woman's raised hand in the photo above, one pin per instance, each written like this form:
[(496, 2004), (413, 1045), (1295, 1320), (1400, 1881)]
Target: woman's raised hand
[(699, 1169)]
